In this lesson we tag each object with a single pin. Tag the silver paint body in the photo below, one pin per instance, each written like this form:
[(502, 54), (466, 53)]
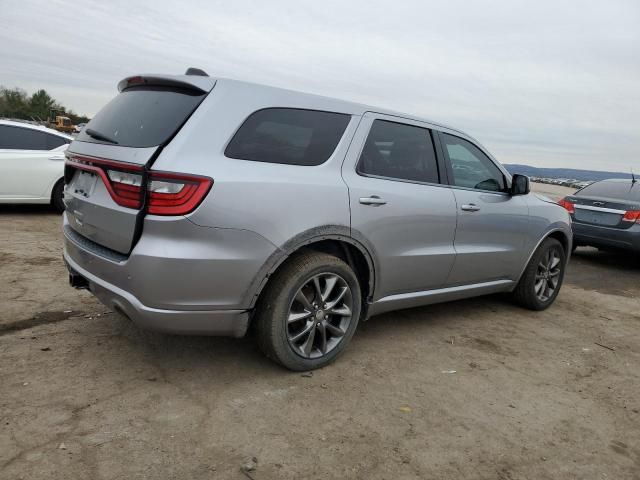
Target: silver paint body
[(202, 273)]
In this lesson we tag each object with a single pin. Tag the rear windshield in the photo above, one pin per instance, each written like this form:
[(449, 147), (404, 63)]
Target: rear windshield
[(619, 190), (142, 116), (288, 135)]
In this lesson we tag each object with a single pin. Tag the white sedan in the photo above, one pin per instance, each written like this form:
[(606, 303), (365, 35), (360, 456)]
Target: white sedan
[(31, 163)]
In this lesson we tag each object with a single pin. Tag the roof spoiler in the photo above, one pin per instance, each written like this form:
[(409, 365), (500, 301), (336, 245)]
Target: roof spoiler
[(191, 81)]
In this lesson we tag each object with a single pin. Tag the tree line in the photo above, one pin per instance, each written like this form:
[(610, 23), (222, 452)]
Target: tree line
[(17, 104)]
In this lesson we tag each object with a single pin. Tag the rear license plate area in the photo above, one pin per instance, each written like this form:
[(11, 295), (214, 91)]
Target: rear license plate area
[(597, 218), (83, 183)]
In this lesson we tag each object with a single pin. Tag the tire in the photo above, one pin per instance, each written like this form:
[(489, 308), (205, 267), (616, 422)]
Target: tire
[(527, 292), (56, 196), (281, 301)]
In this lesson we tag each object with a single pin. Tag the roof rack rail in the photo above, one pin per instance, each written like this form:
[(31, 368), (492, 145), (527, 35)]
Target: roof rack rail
[(196, 71)]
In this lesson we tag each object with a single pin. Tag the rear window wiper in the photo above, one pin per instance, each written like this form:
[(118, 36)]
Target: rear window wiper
[(99, 136)]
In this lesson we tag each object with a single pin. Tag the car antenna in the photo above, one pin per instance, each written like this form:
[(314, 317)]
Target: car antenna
[(633, 177), (196, 71)]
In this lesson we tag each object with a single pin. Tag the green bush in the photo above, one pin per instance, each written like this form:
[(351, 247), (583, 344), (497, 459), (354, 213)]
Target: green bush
[(16, 103)]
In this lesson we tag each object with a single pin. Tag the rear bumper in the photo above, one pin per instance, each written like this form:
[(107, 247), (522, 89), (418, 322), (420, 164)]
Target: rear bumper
[(227, 323), (607, 237), (180, 278)]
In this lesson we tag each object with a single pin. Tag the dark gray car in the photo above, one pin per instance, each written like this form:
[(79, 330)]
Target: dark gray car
[(200, 205), (606, 214)]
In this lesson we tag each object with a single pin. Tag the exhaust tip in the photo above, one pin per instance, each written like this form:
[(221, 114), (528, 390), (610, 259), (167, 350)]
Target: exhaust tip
[(78, 281)]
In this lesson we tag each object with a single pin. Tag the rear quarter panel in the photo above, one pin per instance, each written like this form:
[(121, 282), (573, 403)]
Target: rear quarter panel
[(276, 201)]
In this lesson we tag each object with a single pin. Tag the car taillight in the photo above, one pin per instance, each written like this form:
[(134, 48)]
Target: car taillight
[(569, 206), (137, 80), (631, 216), (167, 193), (126, 188), (175, 194)]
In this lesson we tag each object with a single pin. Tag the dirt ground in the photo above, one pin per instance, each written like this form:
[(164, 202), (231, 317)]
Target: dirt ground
[(475, 389)]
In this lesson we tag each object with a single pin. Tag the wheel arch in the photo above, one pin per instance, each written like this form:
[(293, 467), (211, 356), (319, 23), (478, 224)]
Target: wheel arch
[(335, 240), (558, 233), (52, 187), (563, 239)]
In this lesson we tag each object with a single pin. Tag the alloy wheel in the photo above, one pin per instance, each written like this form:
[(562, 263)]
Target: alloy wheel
[(319, 315), (548, 275)]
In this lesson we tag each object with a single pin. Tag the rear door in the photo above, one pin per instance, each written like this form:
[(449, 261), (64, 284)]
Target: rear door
[(399, 204), (30, 160), (492, 225), (107, 163)]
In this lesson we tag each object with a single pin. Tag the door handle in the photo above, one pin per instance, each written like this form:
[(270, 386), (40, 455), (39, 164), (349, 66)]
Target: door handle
[(470, 207), (372, 200)]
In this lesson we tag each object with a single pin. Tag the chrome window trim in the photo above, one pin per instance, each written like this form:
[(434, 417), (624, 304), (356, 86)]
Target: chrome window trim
[(471, 189), (394, 179)]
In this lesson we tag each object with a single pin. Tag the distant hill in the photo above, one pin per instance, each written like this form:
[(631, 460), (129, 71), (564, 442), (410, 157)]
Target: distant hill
[(591, 175)]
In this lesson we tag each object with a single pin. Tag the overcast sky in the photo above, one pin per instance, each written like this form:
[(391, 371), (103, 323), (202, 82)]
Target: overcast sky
[(548, 83)]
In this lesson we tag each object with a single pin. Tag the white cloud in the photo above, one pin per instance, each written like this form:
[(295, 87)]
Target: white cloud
[(547, 83)]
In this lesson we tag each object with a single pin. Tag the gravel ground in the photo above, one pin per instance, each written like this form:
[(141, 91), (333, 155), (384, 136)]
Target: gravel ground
[(473, 389)]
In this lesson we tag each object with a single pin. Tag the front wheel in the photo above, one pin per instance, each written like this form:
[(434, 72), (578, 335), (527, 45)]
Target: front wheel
[(309, 311), (542, 279)]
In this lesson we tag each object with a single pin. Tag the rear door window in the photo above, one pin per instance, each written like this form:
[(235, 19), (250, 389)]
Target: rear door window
[(54, 141), (289, 136), (399, 151), (143, 116), (18, 138), (471, 168)]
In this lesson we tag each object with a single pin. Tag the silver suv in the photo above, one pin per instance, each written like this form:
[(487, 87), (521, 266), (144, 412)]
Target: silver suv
[(197, 205)]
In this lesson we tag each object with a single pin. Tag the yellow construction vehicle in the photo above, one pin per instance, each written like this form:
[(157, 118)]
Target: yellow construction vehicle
[(60, 122)]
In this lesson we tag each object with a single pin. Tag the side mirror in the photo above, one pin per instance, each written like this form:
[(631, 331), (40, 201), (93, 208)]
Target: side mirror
[(520, 184)]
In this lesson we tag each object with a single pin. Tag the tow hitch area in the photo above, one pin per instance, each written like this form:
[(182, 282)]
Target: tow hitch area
[(78, 281)]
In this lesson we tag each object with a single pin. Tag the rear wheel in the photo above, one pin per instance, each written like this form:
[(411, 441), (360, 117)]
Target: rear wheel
[(57, 195), (542, 279), (309, 311)]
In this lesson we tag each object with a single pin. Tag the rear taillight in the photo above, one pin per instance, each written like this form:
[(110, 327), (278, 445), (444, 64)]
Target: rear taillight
[(125, 188), (137, 80), (631, 216), (175, 194), (166, 194), (569, 206)]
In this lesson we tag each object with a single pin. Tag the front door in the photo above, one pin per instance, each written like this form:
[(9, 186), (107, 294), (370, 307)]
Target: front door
[(492, 225), (399, 206)]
